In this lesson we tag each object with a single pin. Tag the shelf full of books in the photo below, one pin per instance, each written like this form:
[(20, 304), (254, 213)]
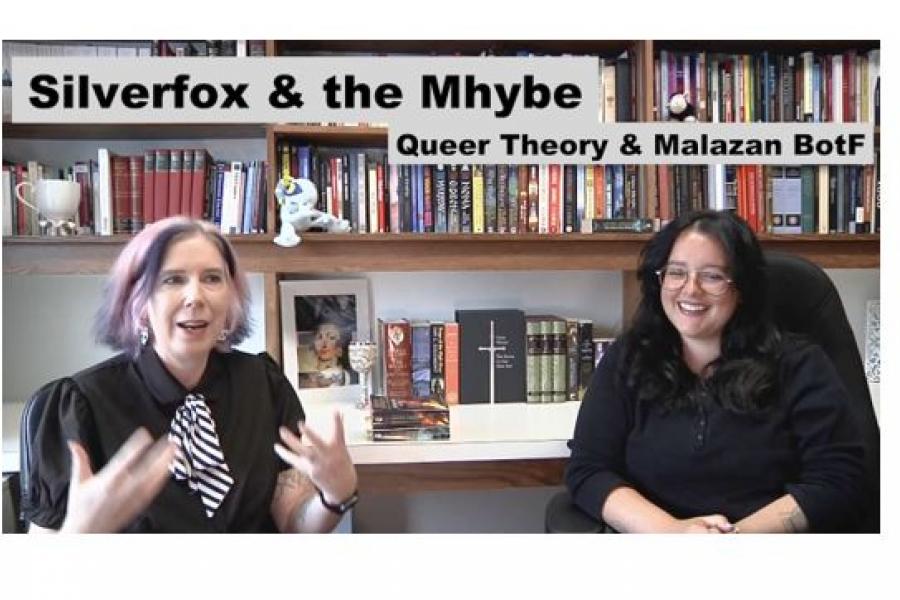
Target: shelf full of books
[(120, 193), (820, 82)]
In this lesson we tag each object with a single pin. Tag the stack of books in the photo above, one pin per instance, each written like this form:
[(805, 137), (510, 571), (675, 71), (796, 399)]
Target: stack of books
[(417, 419)]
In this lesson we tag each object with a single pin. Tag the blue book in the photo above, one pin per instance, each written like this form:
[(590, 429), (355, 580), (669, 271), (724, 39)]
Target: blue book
[(217, 203), (303, 160), (421, 359), (440, 198), (247, 217), (619, 192)]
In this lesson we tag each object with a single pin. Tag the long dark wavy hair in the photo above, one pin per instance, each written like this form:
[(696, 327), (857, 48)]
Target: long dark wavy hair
[(744, 377)]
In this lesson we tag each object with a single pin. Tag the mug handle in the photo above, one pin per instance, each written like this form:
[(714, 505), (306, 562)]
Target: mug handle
[(21, 196)]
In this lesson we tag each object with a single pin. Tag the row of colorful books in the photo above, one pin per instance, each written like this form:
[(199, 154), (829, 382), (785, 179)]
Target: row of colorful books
[(772, 87), (121, 48), (488, 356), (122, 193), (778, 199), (375, 197)]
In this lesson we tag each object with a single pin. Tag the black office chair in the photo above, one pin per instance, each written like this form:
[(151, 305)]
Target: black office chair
[(31, 418), (805, 301)]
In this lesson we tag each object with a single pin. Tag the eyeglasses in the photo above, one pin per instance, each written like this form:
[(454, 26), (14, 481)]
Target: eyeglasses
[(711, 282)]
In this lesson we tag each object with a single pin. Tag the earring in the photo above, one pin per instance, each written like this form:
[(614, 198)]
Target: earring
[(144, 334), (223, 335)]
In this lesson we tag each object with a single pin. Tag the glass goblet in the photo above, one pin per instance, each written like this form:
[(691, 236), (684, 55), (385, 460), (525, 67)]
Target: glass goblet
[(362, 359)]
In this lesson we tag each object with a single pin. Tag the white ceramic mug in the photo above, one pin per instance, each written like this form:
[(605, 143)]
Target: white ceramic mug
[(56, 199)]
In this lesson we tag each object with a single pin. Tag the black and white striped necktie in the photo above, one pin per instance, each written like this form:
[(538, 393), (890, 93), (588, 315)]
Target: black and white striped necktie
[(198, 455)]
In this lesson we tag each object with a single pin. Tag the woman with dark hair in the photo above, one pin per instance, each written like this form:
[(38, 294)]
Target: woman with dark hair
[(703, 417), (175, 303)]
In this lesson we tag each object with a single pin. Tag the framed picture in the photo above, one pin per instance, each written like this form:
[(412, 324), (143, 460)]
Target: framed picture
[(319, 319)]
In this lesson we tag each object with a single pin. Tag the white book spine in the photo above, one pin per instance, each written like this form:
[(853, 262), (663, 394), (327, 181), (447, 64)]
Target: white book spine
[(588, 199), (714, 91), (807, 83), (837, 91), (823, 199), (105, 200), (372, 197), (227, 201)]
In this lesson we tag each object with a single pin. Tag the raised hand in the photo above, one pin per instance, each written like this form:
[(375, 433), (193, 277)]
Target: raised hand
[(325, 462), (108, 501)]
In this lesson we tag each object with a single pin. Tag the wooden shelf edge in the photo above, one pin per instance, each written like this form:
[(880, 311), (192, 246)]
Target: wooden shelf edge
[(144, 131), (467, 475), (409, 252)]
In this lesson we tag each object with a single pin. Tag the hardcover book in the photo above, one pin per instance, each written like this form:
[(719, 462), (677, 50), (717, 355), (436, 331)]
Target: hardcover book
[(786, 200), (396, 347), (451, 362), (492, 356), (438, 387), (534, 350)]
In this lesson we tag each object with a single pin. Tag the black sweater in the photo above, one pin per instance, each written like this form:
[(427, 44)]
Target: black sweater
[(708, 460)]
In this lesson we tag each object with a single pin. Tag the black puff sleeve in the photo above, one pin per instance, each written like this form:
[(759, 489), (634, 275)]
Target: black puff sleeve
[(56, 414), (285, 403)]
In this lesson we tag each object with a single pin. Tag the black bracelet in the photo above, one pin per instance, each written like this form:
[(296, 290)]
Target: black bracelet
[(341, 507)]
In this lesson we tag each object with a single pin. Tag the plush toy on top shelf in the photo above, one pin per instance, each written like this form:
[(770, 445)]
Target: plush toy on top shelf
[(680, 109), (297, 202)]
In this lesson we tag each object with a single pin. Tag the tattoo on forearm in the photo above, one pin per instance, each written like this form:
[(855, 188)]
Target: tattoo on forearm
[(794, 521), (288, 481)]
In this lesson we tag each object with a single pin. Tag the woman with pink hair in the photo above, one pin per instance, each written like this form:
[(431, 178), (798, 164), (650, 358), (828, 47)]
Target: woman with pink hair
[(228, 455)]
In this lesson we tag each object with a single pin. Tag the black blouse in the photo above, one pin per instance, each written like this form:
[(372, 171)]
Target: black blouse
[(101, 407), (709, 460)]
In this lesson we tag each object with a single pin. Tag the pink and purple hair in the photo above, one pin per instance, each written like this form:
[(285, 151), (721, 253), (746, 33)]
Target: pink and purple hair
[(133, 278)]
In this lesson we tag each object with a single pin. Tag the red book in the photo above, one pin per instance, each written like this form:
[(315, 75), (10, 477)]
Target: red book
[(187, 176), (662, 187), (161, 185), (428, 217), (175, 182), (136, 189), (335, 207), (397, 351), (451, 362), (82, 173), (121, 193), (762, 217), (198, 183), (149, 180), (599, 191), (522, 200), (752, 212), (554, 225)]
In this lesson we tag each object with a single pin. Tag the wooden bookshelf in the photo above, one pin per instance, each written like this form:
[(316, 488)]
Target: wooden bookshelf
[(321, 254)]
